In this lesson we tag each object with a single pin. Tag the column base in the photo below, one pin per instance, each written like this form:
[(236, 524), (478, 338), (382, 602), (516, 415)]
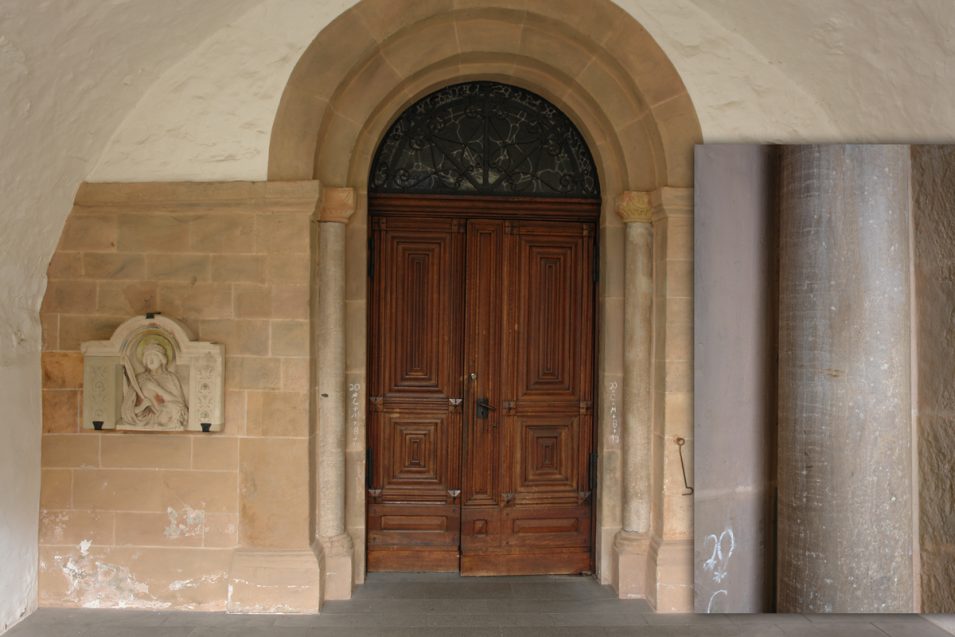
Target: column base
[(338, 566), (675, 576), (634, 566), (274, 581)]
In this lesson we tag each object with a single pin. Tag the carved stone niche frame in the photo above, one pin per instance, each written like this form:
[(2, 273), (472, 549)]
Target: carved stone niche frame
[(180, 392)]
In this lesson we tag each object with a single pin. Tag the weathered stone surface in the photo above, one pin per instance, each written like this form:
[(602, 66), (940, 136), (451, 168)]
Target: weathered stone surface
[(273, 492), (117, 489), (56, 489), (245, 337), (244, 268), (253, 301), (135, 451), (635, 391), (295, 374), (70, 297), (274, 582), (933, 182), (230, 232), (60, 410), (70, 450), (76, 329), (75, 526), (86, 575), (183, 527), (290, 338), (212, 491), (65, 265), (178, 267), (215, 453), (280, 232), (199, 300), (153, 233), (220, 530), (288, 268), (123, 298), (273, 413), (247, 372), (113, 266), (845, 530), (89, 232), (290, 301)]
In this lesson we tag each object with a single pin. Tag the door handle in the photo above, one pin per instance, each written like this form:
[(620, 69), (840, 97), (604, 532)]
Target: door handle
[(483, 408)]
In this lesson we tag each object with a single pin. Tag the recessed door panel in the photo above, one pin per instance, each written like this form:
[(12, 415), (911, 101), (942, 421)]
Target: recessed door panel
[(414, 418)]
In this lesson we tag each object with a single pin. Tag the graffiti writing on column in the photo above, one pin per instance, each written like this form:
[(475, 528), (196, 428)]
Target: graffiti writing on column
[(614, 421), (717, 566), (354, 410)]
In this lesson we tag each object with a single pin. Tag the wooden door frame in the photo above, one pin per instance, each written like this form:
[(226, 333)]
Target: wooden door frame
[(507, 208)]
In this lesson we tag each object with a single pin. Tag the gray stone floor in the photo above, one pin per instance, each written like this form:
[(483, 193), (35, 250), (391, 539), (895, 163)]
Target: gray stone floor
[(424, 605)]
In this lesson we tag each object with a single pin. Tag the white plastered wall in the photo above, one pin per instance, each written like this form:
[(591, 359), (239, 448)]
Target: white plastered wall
[(188, 89), (69, 71), (210, 116)]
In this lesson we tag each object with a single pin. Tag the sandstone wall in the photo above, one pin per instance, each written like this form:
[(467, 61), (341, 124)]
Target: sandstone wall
[(151, 520)]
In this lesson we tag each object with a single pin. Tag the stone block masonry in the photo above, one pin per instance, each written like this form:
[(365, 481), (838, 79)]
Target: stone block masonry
[(152, 520)]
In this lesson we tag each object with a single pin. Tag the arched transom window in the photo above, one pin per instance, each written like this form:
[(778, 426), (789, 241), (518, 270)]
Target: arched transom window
[(484, 138)]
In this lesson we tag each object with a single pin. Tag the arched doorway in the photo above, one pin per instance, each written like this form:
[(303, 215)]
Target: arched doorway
[(483, 207), (606, 73)]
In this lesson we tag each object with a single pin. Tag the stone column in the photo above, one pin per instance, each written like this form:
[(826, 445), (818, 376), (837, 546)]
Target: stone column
[(634, 552), (338, 204), (845, 424)]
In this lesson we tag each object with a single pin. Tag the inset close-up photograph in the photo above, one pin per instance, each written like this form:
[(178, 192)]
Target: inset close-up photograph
[(824, 367)]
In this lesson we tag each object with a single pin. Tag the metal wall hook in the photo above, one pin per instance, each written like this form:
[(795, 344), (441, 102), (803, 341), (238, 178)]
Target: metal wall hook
[(680, 441)]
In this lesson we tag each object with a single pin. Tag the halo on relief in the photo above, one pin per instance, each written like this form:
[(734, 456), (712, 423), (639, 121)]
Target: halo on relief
[(160, 340)]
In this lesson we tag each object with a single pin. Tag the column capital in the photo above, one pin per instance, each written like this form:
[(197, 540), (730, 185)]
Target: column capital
[(337, 205), (633, 206)]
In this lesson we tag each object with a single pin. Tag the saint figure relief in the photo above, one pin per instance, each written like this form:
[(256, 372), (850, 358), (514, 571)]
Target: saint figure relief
[(154, 397)]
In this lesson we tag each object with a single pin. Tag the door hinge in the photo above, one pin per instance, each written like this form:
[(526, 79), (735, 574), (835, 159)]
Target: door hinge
[(596, 268), (371, 258), (369, 469), (592, 471)]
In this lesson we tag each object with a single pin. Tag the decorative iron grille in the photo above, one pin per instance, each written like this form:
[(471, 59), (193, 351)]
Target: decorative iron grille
[(484, 138)]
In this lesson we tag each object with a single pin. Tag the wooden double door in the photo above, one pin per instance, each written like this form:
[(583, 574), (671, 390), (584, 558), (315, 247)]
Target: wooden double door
[(480, 415)]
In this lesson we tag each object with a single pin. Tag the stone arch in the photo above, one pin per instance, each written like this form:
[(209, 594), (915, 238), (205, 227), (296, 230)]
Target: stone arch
[(605, 72), (378, 56)]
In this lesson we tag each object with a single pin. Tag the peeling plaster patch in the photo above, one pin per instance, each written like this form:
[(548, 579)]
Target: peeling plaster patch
[(54, 522), (186, 523), (180, 584), (98, 584)]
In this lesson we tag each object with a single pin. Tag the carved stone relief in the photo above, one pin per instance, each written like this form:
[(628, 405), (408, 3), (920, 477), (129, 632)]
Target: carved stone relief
[(152, 376)]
